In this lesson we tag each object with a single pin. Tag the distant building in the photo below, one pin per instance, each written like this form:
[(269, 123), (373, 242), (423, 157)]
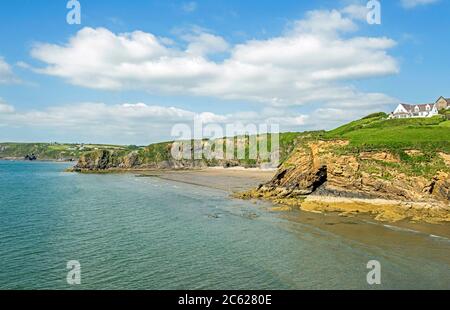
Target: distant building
[(404, 110)]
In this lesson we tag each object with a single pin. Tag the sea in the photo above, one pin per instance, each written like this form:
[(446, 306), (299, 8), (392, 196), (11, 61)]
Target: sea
[(129, 232)]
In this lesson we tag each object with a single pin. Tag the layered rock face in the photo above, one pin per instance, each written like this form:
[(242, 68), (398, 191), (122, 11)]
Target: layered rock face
[(318, 168), (104, 160), (108, 160)]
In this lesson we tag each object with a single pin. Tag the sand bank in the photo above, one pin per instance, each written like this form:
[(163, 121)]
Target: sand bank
[(231, 179)]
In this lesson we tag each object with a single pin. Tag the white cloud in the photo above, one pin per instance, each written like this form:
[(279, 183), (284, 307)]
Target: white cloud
[(140, 123), (356, 11), (314, 62), (6, 73), (321, 22), (126, 123), (5, 108), (409, 4), (202, 44)]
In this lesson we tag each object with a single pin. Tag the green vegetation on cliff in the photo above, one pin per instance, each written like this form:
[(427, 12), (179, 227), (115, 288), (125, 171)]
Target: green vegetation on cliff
[(52, 151), (417, 143), (377, 132), (157, 156), (428, 137)]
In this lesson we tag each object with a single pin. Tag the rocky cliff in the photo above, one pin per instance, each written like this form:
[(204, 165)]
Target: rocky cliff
[(320, 168), (159, 156), (106, 160)]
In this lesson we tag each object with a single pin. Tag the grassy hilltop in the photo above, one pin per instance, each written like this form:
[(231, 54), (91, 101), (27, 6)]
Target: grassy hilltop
[(419, 144), (376, 132)]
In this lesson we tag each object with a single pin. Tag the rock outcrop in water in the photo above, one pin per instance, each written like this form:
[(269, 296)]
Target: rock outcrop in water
[(30, 157)]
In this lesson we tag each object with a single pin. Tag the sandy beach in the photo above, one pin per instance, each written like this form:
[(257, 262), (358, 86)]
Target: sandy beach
[(322, 210), (239, 180), (232, 180)]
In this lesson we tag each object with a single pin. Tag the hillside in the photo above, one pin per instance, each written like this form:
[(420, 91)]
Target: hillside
[(53, 151), (417, 143), (100, 157), (158, 156)]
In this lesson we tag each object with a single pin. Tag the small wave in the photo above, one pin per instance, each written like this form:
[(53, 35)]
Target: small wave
[(439, 237), (402, 229)]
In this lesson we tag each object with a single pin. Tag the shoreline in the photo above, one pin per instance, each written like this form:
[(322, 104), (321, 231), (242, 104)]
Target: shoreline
[(367, 210), (420, 216), (37, 160), (240, 183), (381, 210)]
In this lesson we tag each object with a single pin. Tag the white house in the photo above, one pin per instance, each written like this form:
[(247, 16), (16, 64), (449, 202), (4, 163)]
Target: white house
[(404, 110)]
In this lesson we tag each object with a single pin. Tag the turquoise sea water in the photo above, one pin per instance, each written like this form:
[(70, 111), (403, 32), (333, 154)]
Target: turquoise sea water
[(145, 233)]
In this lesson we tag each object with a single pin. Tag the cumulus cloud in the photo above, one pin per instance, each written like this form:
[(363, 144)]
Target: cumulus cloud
[(140, 123), (409, 4), (356, 11), (5, 108), (202, 44), (314, 62), (6, 74), (128, 123)]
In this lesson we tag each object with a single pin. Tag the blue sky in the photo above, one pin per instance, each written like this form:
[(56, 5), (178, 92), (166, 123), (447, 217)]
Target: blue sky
[(220, 60)]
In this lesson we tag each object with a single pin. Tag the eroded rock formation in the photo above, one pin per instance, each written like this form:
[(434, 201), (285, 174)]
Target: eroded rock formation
[(319, 168)]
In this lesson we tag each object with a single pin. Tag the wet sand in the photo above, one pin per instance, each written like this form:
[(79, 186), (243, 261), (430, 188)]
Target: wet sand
[(232, 180), (330, 212)]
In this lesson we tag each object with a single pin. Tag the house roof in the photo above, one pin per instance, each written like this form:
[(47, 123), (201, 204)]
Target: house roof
[(446, 99), (411, 108)]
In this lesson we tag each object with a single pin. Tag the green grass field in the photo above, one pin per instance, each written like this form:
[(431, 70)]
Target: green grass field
[(376, 132)]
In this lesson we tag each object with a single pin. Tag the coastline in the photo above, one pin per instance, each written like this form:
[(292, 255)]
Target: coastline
[(392, 214), (21, 159), (122, 214), (240, 183)]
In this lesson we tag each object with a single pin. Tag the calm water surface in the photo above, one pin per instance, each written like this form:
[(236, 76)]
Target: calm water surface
[(144, 233)]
